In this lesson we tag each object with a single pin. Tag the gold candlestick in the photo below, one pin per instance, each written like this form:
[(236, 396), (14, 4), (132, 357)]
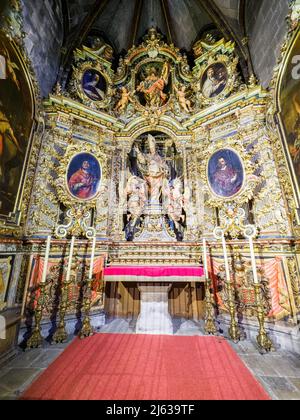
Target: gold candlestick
[(36, 338), (234, 331), (263, 340), (61, 334), (87, 329), (210, 327)]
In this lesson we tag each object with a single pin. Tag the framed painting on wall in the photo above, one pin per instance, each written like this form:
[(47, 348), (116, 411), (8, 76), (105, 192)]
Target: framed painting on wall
[(288, 107), (16, 124)]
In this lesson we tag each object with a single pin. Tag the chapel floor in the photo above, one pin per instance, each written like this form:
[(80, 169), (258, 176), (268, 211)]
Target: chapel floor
[(278, 372)]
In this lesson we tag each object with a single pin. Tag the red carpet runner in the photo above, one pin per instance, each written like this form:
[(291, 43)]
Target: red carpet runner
[(145, 367)]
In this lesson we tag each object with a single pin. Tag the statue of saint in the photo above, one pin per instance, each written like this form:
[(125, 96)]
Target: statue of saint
[(154, 169)]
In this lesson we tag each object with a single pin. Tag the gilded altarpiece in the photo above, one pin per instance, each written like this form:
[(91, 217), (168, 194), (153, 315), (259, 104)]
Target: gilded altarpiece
[(152, 157)]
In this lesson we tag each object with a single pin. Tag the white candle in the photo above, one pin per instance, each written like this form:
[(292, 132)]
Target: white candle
[(46, 260), (205, 259), (253, 261), (92, 258), (70, 259), (226, 259)]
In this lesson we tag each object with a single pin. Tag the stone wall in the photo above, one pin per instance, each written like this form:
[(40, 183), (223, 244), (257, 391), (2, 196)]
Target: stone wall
[(266, 27), (44, 38)]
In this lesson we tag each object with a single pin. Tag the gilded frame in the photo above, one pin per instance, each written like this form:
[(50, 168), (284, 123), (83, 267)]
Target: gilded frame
[(135, 71), (232, 197), (230, 64), (278, 113), (63, 192), (78, 75), (250, 181), (13, 221)]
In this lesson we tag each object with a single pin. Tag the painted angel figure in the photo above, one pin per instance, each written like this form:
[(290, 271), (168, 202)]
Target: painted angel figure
[(153, 86)]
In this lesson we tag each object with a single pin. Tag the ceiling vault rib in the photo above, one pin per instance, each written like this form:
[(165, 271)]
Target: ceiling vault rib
[(86, 26), (213, 11), (167, 16), (136, 21)]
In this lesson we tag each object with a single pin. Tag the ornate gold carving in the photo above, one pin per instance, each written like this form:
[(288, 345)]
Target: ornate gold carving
[(63, 192)]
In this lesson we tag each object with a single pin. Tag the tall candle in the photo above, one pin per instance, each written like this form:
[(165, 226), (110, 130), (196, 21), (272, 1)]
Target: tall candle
[(253, 261), (205, 259), (92, 258), (46, 260), (70, 259), (226, 259)]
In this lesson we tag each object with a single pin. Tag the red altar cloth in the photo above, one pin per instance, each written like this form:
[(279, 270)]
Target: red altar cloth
[(146, 273)]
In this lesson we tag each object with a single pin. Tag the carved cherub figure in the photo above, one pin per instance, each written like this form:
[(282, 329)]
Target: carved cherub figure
[(124, 100), (184, 103)]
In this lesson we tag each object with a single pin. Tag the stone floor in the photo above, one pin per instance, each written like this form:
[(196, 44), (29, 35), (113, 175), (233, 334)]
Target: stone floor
[(278, 372)]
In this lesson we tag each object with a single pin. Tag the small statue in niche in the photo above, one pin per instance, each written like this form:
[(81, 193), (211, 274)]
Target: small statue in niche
[(154, 169), (174, 206), (184, 103), (136, 192), (124, 100)]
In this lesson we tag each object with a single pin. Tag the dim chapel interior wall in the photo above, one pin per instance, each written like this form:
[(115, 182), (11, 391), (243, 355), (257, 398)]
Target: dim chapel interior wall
[(266, 28)]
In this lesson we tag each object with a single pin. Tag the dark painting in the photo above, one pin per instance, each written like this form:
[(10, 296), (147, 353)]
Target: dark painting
[(94, 85), (214, 80), (153, 84), (225, 173), (290, 108), (16, 109), (84, 176)]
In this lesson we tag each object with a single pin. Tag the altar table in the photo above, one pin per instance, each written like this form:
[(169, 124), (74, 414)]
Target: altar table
[(154, 284)]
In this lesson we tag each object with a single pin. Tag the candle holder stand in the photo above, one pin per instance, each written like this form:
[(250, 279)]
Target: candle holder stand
[(263, 339), (36, 339), (210, 326)]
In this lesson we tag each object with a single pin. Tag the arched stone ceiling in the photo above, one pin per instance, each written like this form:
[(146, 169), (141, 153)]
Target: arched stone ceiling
[(54, 28)]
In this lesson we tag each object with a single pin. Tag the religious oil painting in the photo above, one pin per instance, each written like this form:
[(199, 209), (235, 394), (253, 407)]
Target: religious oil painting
[(16, 120), (153, 84), (84, 176), (225, 173), (290, 109), (214, 80), (94, 85)]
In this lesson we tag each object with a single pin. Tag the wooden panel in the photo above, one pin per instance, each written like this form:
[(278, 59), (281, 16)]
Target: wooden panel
[(185, 300), (122, 299)]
